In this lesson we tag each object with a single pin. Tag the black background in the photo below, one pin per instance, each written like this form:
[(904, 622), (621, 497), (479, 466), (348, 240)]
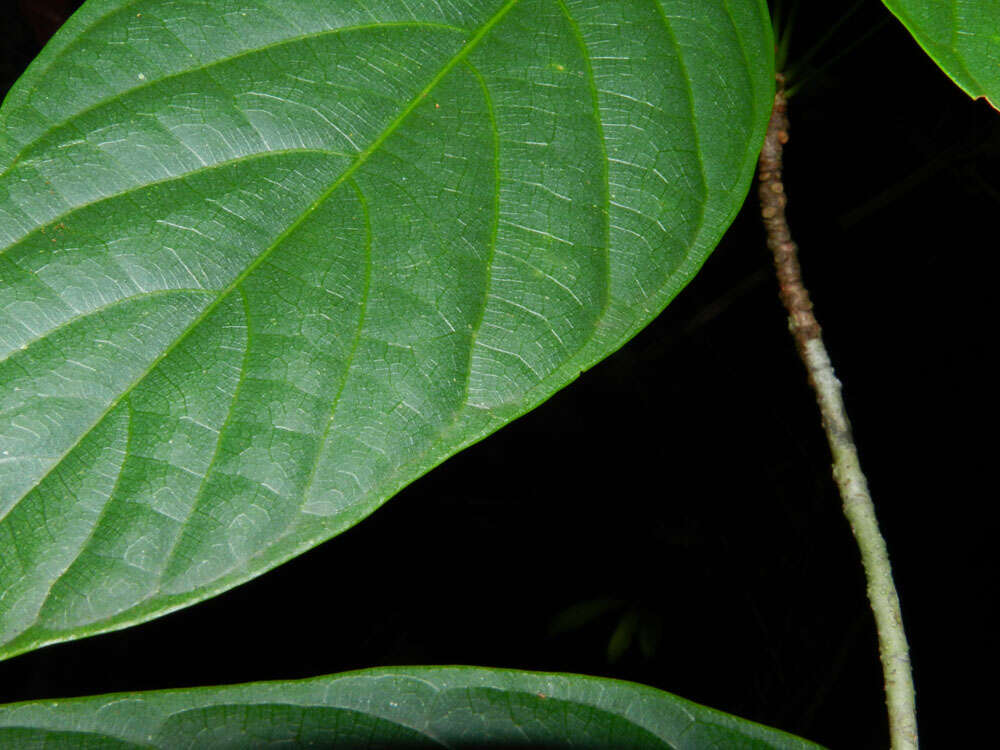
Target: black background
[(687, 475)]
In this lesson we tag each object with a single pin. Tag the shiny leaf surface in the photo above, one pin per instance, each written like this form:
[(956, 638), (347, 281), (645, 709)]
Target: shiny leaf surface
[(264, 263), (961, 36), (413, 707)]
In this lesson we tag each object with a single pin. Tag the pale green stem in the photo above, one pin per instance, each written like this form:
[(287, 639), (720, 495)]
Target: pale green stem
[(860, 512), (857, 502)]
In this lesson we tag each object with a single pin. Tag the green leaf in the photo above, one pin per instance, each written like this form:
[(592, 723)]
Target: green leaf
[(961, 36), (582, 613), (263, 264), (623, 634), (455, 707)]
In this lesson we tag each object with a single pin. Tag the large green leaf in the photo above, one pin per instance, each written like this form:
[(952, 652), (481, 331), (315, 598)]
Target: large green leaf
[(961, 36), (411, 707), (265, 262)]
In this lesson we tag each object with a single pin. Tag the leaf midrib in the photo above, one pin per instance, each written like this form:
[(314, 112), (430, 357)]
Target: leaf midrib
[(359, 161)]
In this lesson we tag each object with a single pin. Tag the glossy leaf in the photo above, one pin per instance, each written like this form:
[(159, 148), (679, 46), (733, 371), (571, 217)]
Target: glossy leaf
[(412, 707), (961, 36), (263, 263)]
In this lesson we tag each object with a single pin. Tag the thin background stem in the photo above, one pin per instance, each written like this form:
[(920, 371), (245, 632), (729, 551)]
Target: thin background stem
[(802, 61), (857, 502)]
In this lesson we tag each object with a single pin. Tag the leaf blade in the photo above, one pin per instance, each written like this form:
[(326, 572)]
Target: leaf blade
[(397, 707), (962, 38), (250, 336)]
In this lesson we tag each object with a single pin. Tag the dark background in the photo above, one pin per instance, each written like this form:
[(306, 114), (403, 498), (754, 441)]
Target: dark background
[(687, 477)]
